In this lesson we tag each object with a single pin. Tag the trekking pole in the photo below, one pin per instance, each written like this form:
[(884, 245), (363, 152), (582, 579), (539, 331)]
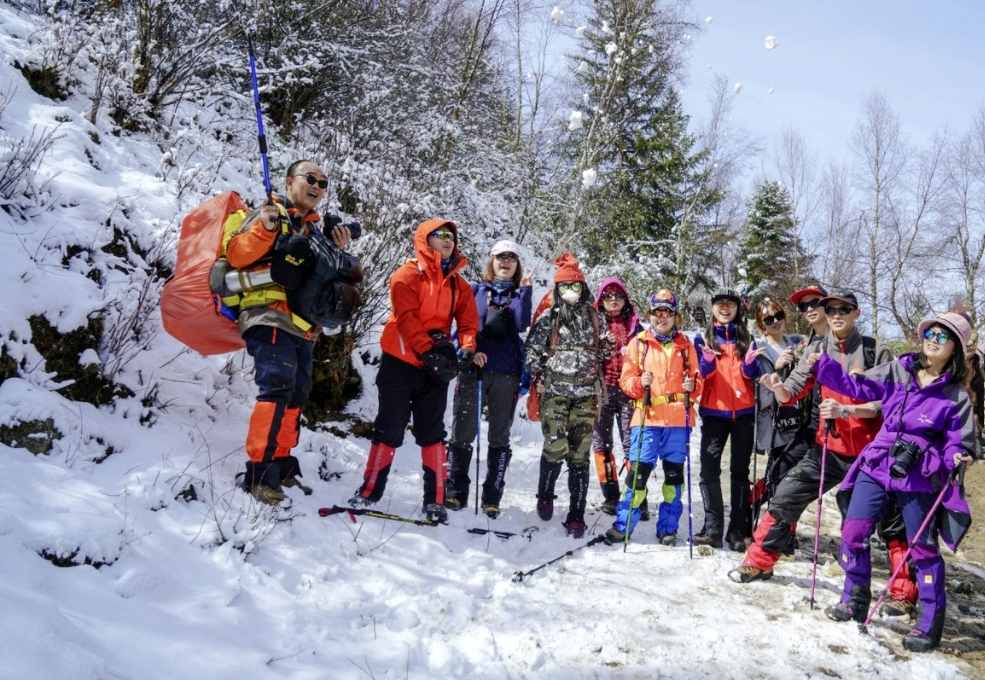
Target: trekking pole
[(261, 137), (520, 575), (829, 426), (687, 459), (636, 470), (956, 478), (478, 436)]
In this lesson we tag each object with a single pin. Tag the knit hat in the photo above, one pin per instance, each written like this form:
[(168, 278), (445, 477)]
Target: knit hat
[(568, 269), (505, 246), (663, 299), (955, 323)]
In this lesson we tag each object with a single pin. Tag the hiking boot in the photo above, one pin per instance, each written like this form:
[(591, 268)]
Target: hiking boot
[(746, 574), (453, 503), (358, 500), (894, 607), (613, 536), (436, 513), (845, 612), (918, 641), (545, 509), (667, 539), (492, 511), (266, 494), (644, 511), (575, 527), (609, 506), (295, 483), (738, 543), (708, 539)]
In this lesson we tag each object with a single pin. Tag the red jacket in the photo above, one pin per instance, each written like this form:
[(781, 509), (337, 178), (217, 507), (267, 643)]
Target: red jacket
[(423, 298)]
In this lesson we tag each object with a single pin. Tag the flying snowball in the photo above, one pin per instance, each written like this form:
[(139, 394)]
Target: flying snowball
[(588, 177), (708, 20), (574, 122), (581, 30), (557, 15), (737, 87), (769, 91), (770, 42)]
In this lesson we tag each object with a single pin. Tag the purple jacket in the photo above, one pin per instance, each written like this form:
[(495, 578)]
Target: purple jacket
[(937, 418), (504, 354)]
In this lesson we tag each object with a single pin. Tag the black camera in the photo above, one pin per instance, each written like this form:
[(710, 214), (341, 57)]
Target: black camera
[(355, 228), (904, 454)]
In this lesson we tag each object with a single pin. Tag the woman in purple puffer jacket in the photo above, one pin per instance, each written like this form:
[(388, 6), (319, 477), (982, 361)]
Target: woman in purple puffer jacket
[(928, 429)]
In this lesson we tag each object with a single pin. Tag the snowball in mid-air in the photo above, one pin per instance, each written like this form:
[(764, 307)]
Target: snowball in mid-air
[(557, 15), (708, 20), (588, 177), (574, 122), (737, 87), (769, 91), (770, 42)]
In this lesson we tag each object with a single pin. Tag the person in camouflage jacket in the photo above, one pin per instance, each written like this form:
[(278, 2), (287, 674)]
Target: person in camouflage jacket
[(564, 353)]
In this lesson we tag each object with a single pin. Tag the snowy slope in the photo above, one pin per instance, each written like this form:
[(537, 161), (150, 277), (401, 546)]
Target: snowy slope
[(220, 587)]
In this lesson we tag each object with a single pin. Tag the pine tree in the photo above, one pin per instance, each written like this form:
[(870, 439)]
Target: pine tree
[(650, 184), (775, 263)]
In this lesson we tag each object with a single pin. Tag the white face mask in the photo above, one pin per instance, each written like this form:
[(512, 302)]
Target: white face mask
[(571, 297)]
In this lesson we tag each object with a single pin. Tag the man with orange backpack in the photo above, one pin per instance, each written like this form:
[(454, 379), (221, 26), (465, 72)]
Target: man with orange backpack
[(280, 341)]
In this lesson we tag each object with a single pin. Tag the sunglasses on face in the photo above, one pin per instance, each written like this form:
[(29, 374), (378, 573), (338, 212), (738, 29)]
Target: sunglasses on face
[(565, 287), (810, 304), (442, 234), (613, 295), (727, 304), (940, 337), (770, 320), (661, 313), (843, 310), (508, 257), (312, 180)]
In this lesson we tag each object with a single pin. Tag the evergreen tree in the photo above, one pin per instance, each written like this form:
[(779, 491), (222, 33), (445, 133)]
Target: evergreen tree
[(649, 180), (775, 263)]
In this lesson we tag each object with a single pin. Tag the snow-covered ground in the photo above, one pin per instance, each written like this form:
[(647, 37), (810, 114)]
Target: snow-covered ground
[(221, 587)]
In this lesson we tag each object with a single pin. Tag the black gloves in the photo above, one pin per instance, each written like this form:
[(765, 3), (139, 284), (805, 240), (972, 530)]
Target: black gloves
[(441, 361)]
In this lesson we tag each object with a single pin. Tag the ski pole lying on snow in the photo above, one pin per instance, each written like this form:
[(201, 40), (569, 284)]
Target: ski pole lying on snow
[(520, 575), (956, 478), (335, 510), (499, 534)]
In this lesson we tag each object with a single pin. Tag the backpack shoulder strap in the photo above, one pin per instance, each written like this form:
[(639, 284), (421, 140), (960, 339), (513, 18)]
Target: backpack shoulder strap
[(869, 351)]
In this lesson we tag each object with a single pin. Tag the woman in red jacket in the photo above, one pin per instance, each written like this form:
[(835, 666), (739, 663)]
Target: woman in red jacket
[(728, 403), (426, 293)]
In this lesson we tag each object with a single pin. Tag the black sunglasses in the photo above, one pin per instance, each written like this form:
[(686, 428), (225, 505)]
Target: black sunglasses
[(508, 257), (312, 180), (811, 304), (770, 320), (841, 310), (613, 295)]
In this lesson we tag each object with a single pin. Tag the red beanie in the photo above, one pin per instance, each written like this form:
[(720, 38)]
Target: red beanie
[(567, 269)]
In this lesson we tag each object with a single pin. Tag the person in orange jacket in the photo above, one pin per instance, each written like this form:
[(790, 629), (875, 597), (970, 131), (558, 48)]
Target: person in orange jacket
[(663, 361), (279, 341), (427, 294), (728, 361)]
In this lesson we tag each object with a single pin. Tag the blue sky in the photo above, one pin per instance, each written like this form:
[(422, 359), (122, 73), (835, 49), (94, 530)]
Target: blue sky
[(926, 57)]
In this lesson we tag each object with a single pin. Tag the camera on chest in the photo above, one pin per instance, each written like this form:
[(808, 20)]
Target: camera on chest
[(904, 455)]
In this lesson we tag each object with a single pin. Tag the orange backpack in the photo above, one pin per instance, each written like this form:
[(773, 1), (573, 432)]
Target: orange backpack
[(191, 312)]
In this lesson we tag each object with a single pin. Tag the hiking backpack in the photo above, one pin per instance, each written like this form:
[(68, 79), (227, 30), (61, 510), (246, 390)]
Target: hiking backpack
[(190, 311)]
